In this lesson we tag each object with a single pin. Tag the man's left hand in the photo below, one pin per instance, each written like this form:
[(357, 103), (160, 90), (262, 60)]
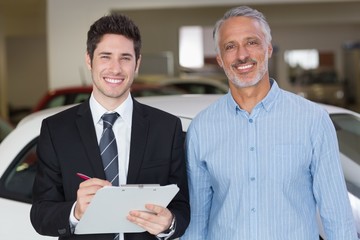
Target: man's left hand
[(156, 221)]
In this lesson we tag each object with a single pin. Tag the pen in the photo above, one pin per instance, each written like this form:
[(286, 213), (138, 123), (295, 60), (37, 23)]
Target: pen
[(83, 176)]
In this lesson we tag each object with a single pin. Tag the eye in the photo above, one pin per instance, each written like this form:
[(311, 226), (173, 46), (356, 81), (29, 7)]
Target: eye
[(252, 42), (126, 57), (229, 46)]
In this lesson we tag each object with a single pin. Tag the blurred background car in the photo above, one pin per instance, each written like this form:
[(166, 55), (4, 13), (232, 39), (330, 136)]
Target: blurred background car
[(139, 89), (322, 86), (63, 96), (18, 157), (142, 87), (78, 94), (196, 85)]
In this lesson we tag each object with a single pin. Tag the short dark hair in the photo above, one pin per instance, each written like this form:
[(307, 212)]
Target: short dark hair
[(113, 24)]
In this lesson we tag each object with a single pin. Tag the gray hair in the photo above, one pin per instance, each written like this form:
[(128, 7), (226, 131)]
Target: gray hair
[(242, 11)]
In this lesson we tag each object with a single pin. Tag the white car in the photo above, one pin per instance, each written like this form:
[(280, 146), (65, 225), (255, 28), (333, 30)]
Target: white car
[(18, 158)]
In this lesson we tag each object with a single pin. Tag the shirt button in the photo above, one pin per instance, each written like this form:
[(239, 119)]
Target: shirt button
[(252, 149), (253, 210), (251, 121), (252, 178)]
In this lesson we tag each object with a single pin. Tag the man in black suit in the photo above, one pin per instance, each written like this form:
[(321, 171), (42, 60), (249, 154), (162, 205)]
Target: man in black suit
[(149, 143)]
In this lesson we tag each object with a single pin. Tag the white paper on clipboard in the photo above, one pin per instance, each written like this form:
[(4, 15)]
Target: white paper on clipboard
[(108, 209)]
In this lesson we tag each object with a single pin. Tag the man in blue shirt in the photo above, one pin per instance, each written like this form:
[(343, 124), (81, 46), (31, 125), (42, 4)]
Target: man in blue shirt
[(261, 160)]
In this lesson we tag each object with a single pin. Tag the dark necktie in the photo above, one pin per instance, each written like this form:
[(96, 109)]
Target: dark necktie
[(108, 149)]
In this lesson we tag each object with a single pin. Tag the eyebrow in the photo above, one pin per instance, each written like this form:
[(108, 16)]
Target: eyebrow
[(123, 54)]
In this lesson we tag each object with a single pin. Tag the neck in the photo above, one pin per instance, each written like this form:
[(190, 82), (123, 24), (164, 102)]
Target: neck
[(109, 103), (248, 97)]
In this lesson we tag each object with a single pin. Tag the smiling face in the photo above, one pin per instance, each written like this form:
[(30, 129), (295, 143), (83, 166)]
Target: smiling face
[(113, 69), (243, 52)]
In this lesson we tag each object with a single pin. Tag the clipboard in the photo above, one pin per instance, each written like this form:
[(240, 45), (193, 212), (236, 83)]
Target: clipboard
[(110, 206)]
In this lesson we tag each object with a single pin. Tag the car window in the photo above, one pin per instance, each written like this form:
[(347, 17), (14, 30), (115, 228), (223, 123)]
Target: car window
[(17, 181), (81, 97), (5, 129), (56, 102), (164, 90), (196, 88)]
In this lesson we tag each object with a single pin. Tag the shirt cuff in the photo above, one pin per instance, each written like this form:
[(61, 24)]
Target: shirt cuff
[(72, 219), (168, 233)]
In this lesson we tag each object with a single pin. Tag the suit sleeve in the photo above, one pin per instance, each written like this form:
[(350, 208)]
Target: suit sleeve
[(50, 212), (180, 205)]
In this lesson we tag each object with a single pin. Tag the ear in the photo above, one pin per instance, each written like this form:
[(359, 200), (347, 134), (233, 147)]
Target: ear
[(219, 61), (137, 66), (88, 61), (270, 50)]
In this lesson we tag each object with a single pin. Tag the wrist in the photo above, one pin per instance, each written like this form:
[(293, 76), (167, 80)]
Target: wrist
[(170, 231)]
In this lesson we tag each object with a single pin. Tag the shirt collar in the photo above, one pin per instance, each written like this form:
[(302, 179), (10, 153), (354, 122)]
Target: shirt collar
[(272, 95), (266, 103), (124, 110)]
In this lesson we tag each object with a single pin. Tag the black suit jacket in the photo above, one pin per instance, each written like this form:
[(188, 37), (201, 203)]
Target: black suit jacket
[(68, 144)]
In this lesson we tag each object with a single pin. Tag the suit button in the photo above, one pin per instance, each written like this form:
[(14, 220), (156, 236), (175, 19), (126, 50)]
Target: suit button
[(62, 231)]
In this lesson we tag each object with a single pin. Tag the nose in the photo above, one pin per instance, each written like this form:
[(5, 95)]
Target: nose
[(243, 53), (115, 66)]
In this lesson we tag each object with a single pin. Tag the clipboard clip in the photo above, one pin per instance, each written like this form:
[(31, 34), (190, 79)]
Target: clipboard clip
[(140, 185)]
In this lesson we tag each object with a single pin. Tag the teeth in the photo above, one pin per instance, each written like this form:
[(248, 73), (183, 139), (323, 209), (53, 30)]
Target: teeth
[(112, 80), (244, 67)]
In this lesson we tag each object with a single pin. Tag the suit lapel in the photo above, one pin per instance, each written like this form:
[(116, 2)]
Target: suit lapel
[(139, 137), (87, 133)]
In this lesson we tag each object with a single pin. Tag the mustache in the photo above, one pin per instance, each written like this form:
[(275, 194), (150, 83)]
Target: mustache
[(240, 62)]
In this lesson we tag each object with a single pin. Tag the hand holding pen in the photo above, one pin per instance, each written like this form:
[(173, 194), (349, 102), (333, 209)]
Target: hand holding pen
[(86, 192)]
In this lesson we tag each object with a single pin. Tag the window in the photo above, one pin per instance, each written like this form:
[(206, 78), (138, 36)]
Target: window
[(304, 59), (18, 179), (191, 46)]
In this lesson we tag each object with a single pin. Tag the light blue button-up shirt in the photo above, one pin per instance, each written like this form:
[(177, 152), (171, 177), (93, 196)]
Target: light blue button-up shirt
[(261, 176)]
